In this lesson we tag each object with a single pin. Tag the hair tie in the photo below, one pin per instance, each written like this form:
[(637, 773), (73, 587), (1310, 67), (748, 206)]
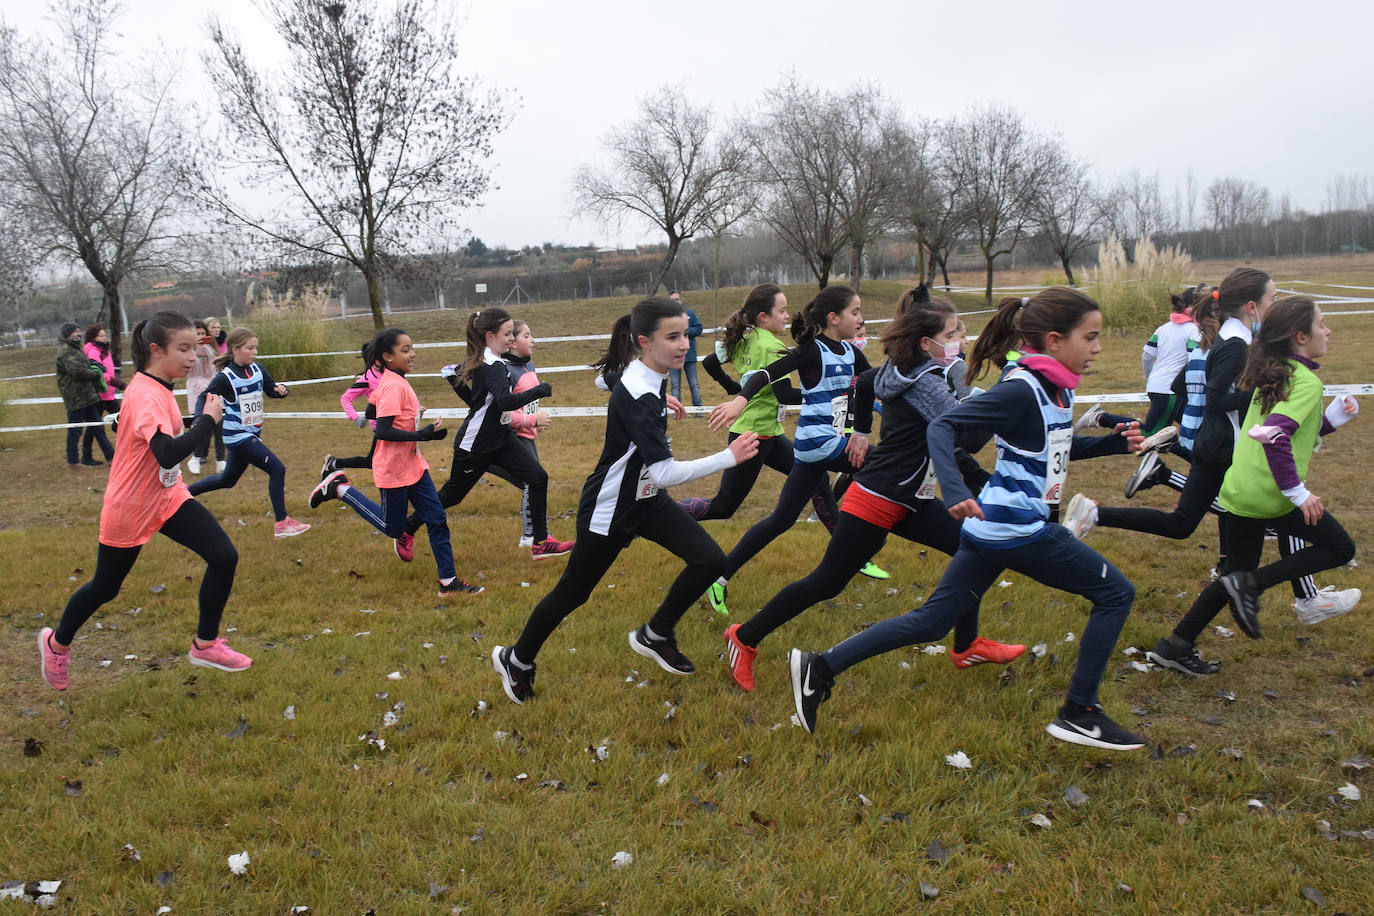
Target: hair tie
[(1216, 295), (1025, 301)]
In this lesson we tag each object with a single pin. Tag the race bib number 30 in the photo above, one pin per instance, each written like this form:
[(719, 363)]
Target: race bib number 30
[(1057, 464)]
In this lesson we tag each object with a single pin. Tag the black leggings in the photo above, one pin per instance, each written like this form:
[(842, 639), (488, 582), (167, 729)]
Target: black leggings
[(853, 544), (191, 526), (804, 481), (668, 526), (1199, 492), (1242, 543), (522, 465), (87, 436), (249, 452), (776, 452)]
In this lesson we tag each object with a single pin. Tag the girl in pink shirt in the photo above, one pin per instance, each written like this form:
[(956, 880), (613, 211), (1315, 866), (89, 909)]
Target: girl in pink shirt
[(145, 495)]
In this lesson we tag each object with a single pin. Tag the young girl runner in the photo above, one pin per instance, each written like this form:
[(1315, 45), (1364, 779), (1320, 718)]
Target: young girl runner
[(827, 365), (751, 343), (362, 387), (893, 492), (529, 420), (211, 342), (485, 439), (1031, 412), (241, 385), (400, 471), (626, 497), (146, 495), (1264, 487), (1162, 358)]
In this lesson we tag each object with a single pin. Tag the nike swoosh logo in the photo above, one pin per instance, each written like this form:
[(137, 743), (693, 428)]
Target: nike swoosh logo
[(1094, 732), (806, 685)]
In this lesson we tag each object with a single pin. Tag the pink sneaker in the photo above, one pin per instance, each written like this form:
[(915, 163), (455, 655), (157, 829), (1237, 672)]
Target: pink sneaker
[(218, 655), (289, 528), (54, 663), (405, 546), (551, 547)]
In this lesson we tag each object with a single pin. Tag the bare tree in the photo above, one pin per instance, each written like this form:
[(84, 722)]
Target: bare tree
[(1132, 208), (91, 160), (996, 166), (925, 203), (668, 167), (367, 141), (873, 139), (800, 169), (1066, 209), (1232, 204)]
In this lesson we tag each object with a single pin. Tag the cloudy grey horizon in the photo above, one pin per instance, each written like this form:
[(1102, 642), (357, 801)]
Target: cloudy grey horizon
[(1277, 96)]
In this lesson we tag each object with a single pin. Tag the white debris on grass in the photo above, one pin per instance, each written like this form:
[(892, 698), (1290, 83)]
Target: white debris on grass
[(959, 760), (1041, 821), (1139, 666), (326, 631), (289, 713), (1254, 803), (238, 863), (395, 676), (935, 650), (367, 610), (1005, 583), (1039, 650), (1225, 632), (1349, 791), (1068, 637), (662, 780), (105, 663), (621, 859), (1130, 650)]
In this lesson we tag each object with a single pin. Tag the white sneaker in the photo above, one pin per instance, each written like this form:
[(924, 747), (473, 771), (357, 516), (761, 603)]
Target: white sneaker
[(1090, 418), (1081, 516), (193, 465), (1160, 440), (1327, 603), (220, 466), (527, 540)]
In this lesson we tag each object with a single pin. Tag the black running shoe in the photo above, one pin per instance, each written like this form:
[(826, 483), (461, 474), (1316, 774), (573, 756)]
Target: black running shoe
[(459, 587), (810, 688), (1149, 465), (516, 681), (327, 489), (663, 651), (1244, 594), (1089, 725), (1187, 661)]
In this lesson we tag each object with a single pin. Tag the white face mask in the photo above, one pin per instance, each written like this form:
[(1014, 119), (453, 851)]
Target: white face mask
[(951, 353)]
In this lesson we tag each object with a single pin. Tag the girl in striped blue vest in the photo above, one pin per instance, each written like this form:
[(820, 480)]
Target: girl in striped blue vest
[(834, 384), (243, 384), (1008, 526)]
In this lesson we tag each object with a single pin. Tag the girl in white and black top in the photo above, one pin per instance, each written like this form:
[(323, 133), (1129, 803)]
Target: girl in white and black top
[(625, 497), (485, 440)]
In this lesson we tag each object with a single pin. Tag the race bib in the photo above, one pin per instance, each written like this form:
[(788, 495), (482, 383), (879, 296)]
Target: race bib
[(646, 488), (839, 412), (927, 488), (169, 477), (1057, 464), (250, 408), (782, 412)]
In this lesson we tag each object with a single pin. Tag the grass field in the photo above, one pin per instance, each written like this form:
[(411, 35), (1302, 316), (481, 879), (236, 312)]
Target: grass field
[(476, 805)]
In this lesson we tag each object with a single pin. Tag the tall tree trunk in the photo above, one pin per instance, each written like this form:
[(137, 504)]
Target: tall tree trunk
[(823, 270), (374, 297), (715, 287), (1068, 271), (856, 266), (921, 253), (944, 270), (110, 305), (988, 290), (668, 257)]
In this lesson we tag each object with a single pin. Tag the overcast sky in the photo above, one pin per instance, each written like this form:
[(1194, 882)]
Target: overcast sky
[(1275, 92)]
